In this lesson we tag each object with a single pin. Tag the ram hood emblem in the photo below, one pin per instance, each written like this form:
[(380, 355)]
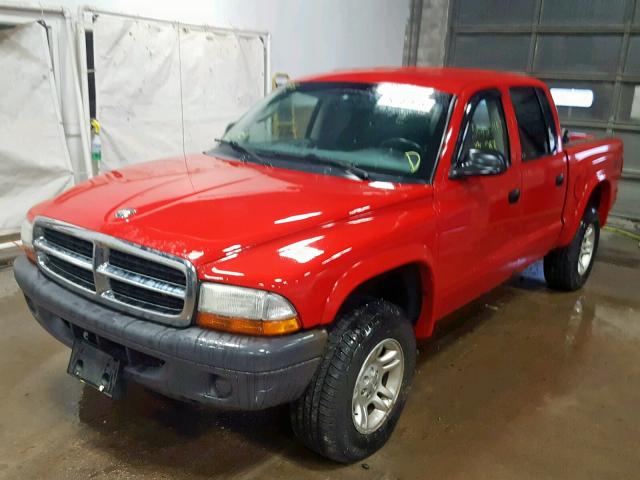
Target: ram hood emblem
[(125, 213)]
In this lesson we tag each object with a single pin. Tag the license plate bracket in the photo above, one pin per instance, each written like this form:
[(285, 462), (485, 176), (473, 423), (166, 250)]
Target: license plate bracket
[(95, 367)]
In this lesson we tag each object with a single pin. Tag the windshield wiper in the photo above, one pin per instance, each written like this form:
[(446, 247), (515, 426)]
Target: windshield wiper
[(244, 151), (349, 168)]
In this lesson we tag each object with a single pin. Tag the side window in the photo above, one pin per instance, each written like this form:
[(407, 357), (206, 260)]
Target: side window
[(486, 130), (532, 129), (552, 133)]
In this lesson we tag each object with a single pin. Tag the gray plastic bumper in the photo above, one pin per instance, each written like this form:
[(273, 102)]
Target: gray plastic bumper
[(215, 368)]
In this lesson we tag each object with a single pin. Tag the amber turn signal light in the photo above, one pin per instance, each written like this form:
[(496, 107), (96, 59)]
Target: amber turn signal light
[(31, 255), (248, 327)]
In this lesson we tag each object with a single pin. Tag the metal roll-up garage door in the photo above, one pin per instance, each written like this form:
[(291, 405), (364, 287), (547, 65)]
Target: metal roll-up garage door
[(579, 44)]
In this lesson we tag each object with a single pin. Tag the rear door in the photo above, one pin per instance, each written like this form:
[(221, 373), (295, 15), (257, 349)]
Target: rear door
[(478, 215), (544, 171)]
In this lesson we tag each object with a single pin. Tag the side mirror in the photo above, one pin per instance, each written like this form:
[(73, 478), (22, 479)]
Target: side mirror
[(229, 127), (480, 162)]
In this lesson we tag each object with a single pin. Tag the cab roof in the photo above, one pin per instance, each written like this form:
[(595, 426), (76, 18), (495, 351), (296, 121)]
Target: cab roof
[(450, 80)]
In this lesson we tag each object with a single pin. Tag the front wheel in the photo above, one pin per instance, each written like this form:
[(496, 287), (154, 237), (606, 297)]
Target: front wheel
[(569, 267), (354, 401)]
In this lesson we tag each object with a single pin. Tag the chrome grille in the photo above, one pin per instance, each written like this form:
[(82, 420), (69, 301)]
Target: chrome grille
[(147, 283)]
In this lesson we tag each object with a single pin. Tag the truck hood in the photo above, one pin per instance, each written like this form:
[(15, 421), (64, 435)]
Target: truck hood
[(203, 207)]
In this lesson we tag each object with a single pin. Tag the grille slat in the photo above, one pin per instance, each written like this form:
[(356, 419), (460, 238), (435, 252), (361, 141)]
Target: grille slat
[(153, 284), (121, 274), (78, 275), (65, 254), (146, 268), (147, 297), (74, 244)]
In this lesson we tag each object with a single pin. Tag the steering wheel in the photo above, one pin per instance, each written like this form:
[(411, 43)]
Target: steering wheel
[(410, 149), (400, 143)]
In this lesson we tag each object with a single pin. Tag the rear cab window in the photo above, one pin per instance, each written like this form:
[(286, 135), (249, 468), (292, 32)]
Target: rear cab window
[(536, 127)]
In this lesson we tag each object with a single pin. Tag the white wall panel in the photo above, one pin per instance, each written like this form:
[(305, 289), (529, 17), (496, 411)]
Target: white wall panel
[(307, 36)]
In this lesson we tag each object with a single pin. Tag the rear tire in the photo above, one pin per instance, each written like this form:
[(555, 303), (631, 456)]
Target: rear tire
[(374, 347), (569, 267)]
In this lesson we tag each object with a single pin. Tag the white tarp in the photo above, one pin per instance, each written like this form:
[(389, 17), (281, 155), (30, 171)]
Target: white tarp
[(222, 76), (154, 77), (34, 160), (137, 90)]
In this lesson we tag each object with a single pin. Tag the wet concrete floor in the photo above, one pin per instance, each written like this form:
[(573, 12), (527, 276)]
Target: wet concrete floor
[(524, 383)]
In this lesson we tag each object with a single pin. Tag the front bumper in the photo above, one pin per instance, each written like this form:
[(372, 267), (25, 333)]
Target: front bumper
[(215, 368)]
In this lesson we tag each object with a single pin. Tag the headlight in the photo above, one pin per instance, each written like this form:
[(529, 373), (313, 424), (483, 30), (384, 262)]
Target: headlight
[(26, 236), (245, 310)]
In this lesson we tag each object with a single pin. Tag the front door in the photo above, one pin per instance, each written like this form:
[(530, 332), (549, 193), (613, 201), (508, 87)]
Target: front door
[(479, 214)]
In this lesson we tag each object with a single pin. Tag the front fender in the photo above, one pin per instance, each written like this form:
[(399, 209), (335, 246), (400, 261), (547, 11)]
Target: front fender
[(377, 264), (317, 269)]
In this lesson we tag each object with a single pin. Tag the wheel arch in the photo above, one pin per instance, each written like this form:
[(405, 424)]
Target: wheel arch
[(405, 280), (600, 199), (597, 194)]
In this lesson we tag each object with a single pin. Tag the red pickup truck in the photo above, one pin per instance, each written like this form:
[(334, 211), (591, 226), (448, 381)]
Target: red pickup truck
[(299, 260)]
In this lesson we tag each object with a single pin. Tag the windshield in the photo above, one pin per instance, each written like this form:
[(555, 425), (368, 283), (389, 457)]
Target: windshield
[(382, 129)]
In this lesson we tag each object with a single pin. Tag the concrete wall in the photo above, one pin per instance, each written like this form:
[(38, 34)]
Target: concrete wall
[(433, 33), (307, 36), (427, 33)]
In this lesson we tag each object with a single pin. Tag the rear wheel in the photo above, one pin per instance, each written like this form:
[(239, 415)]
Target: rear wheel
[(353, 403), (569, 267)]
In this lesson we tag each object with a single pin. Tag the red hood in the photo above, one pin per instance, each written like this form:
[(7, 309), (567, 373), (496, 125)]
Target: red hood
[(205, 206)]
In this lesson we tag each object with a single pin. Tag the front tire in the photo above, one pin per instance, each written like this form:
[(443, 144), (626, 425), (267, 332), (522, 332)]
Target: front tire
[(569, 267), (355, 399)]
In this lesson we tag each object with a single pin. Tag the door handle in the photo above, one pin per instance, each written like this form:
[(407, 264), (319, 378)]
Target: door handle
[(514, 195), (559, 179)]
